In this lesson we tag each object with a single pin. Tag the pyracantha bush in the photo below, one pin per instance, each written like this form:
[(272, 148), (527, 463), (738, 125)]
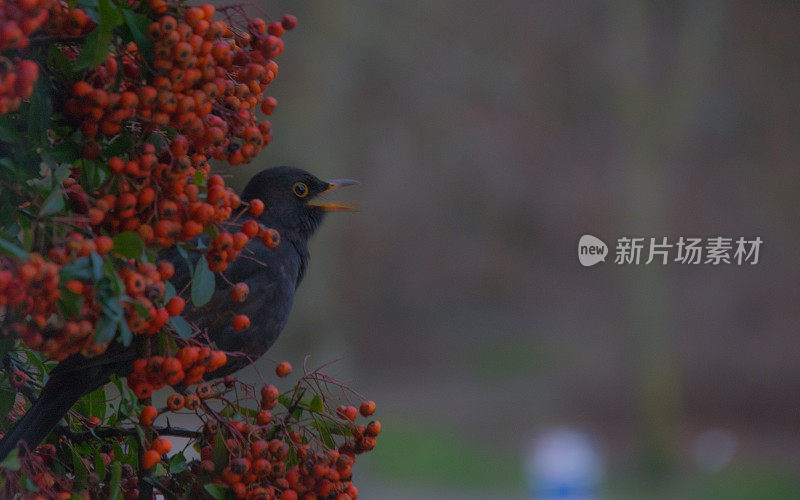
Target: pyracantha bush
[(110, 112)]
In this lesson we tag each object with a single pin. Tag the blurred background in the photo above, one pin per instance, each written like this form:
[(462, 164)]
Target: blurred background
[(489, 136)]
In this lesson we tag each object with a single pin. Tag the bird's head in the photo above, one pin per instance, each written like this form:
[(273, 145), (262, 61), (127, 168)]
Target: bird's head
[(291, 197)]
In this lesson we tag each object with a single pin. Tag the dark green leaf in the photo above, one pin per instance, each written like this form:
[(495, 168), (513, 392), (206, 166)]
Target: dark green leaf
[(113, 485), (12, 250), (129, 244), (217, 491), (125, 333), (324, 433), (93, 404), (110, 16), (11, 461), (316, 404), (79, 470), (138, 25), (170, 290), (177, 463), (105, 329), (40, 109), (202, 283), (122, 145), (141, 309), (79, 270), (54, 202), (95, 49), (97, 266), (70, 303), (182, 328), (220, 453), (99, 466)]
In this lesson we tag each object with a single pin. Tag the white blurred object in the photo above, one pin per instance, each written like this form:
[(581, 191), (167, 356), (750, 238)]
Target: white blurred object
[(714, 449), (564, 464)]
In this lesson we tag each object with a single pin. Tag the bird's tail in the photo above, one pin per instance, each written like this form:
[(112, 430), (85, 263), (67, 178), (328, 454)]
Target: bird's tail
[(60, 393)]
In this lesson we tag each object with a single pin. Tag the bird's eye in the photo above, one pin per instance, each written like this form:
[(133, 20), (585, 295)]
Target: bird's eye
[(300, 189)]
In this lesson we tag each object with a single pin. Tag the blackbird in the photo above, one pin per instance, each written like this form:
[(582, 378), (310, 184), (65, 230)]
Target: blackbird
[(272, 274)]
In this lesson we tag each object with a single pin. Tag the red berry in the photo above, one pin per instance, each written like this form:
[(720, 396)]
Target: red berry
[(256, 207), (289, 22), (283, 369), (175, 306), (148, 415), (367, 408), (241, 323)]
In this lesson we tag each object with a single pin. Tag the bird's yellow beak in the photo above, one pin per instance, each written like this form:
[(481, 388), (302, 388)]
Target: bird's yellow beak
[(335, 207)]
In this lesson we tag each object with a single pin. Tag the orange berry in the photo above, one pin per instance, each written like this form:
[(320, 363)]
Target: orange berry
[(150, 458), (289, 22), (241, 323), (373, 429), (347, 412), (270, 237), (104, 244), (283, 369), (175, 401), (161, 445), (250, 228), (367, 408), (239, 292), (148, 415), (75, 286), (166, 270), (268, 105), (256, 207), (175, 306)]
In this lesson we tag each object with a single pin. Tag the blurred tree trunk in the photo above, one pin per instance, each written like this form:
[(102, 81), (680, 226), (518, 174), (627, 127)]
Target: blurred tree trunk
[(655, 113)]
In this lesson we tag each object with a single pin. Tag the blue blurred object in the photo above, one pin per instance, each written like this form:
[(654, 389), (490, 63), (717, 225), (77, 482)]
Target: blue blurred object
[(564, 464)]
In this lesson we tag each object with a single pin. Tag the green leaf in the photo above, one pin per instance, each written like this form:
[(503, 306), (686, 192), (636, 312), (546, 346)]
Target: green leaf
[(177, 463), (324, 433), (113, 485), (99, 466), (54, 202), (216, 491), (316, 404), (12, 250), (125, 333), (97, 45), (182, 328), (40, 109), (122, 145), (202, 283), (79, 469), (70, 303), (128, 244), (138, 25), (7, 399), (78, 270), (11, 461), (220, 453), (170, 290), (105, 329), (110, 16), (93, 404), (97, 266), (95, 50)]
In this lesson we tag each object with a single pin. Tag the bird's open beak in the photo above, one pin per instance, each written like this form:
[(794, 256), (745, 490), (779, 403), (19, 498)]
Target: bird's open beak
[(335, 207)]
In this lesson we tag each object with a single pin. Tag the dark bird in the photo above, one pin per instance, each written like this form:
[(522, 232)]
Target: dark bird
[(292, 207)]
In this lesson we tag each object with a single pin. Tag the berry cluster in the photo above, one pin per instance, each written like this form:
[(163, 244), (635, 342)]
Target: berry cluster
[(188, 366), (18, 20)]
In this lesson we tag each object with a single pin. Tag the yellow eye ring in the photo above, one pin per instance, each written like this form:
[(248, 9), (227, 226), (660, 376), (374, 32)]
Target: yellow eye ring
[(300, 189)]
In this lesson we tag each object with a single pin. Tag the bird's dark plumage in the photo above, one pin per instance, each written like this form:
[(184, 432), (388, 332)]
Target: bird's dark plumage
[(271, 274)]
